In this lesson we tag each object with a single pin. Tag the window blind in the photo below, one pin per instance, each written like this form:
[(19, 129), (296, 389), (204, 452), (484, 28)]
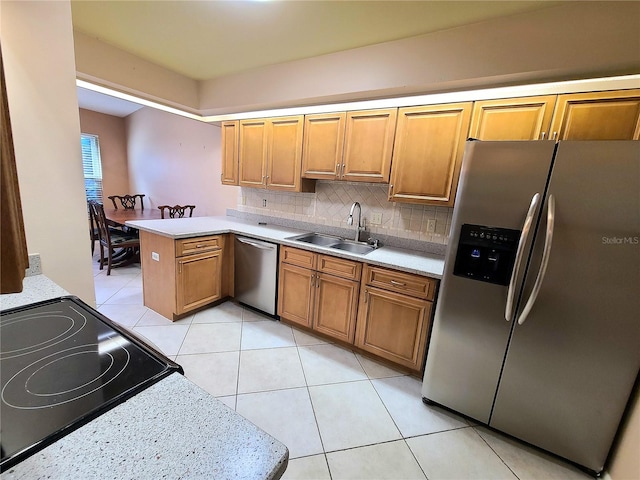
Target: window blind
[(91, 166)]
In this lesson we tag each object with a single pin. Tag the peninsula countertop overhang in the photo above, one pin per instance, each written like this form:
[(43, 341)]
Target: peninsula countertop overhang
[(411, 261)]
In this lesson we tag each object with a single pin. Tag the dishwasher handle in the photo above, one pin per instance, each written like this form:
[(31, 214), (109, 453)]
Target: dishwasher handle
[(256, 243)]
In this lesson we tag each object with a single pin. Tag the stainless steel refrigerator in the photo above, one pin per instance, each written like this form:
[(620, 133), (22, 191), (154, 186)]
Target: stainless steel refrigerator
[(537, 326)]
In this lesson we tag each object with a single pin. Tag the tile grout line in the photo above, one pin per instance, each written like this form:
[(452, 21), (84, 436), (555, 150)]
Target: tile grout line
[(496, 453)]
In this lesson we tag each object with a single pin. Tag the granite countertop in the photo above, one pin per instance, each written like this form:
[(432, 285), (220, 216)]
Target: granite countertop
[(173, 429), (412, 261)]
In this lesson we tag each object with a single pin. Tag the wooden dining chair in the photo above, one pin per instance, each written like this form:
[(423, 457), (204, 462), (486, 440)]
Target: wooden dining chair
[(112, 239), (93, 228), (176, 210), (128, 202)]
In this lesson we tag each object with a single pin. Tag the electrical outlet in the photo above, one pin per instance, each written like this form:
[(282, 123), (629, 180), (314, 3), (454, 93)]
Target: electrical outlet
[(431, 225), (155, 256), (244, 200), (376, 219), (264, 202)]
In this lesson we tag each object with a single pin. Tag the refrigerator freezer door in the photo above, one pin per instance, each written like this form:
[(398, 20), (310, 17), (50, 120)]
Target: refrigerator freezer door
[(571, 366), (470, 333)]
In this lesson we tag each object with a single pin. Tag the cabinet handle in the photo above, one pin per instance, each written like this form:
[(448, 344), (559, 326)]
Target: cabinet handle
[(555, 135), (342, 173), (317, 281), (366, 296), (200, 246), (398, 284), (390, 189), (337, 170), (542, 135), (179, 267)]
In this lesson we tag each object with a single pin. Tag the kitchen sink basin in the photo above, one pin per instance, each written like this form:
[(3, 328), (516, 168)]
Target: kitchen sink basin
[(353, 247), (316, 239), (330, 241)]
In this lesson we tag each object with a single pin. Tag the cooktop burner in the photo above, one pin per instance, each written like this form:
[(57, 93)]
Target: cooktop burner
[(63, 364)]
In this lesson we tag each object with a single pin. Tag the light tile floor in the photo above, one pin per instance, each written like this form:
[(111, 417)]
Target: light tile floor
[(342, 416)]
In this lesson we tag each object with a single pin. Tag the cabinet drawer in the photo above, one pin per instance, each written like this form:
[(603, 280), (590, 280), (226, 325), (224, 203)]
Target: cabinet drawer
[(295, 256), (339, 267), (198, 245), (407, 283)]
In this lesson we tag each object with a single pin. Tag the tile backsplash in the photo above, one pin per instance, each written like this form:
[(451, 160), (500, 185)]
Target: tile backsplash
[(331, 202)]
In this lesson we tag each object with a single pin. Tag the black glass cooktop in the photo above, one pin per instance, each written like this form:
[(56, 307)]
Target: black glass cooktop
[(62, 364)]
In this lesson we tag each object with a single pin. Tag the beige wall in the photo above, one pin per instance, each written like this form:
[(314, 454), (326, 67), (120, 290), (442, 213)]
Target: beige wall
[(575, 40), (100, 63), (37, 48), (578, 40), (175, 160), (112, 136)]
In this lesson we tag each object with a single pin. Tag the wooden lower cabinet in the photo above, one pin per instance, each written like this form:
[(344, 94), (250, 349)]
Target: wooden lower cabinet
[(198, 281), (336, 306), (180, 276), (296, 292), (388, 314), (393, 326), (313, 298), (395, 315)]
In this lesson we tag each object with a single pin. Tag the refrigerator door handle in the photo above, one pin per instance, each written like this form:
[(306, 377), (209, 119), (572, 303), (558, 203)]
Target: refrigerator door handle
[(526, 227), (551, 213)]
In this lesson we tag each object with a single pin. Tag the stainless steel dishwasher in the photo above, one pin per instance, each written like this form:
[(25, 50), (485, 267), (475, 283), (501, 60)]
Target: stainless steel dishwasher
[(256, 270)]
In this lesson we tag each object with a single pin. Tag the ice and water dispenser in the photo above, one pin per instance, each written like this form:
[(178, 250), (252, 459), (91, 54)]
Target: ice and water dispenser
[(486, 253)]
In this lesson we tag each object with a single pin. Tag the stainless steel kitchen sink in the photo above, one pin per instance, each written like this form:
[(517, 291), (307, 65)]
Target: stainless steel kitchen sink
[(316, 239), (331, 241), (353, 247)]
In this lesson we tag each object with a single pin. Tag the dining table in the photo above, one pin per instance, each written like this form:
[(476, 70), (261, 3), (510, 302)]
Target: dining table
[(118, 216)]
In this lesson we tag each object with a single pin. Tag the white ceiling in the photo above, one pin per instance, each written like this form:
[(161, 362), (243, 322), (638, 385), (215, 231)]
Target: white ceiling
[(211, 38), (99, 102)]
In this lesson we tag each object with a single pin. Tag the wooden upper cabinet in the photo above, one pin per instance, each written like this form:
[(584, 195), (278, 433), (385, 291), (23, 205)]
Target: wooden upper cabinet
[(611, 115), (323, 145), (526, 118), (368, 145), (428, 152), (285, 153), (271, 154), (229, 132), (253, 153)]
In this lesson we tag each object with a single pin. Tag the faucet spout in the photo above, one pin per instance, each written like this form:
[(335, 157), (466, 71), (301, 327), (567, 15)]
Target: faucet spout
[(350, 219)]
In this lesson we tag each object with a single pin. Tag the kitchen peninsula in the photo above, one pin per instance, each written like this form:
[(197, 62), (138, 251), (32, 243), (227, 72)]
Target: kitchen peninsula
[(378, 302)]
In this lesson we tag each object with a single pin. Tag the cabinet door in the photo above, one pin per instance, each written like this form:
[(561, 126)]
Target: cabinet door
[(295, 294), (336, 306), (323, 145), (368, 145), (253, 153), (393, 326), (597, 116), (512, 118), (197, 280), (428, 153), (285, 153), (229, 133)]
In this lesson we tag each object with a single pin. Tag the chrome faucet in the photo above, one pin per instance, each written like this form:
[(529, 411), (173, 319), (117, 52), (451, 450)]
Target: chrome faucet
[(360, 226)]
